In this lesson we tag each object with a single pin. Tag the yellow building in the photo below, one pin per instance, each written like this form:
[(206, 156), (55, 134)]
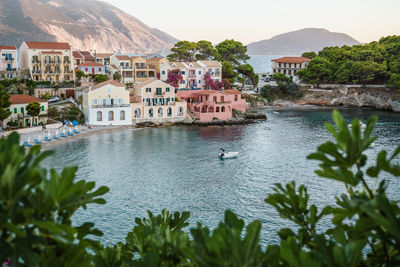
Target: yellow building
[(107, 103), (155, 62), (154, 100), (47, 61), (142, 70)]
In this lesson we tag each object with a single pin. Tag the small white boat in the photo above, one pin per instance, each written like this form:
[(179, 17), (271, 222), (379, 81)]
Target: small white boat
[(275, 112), (228, 155)]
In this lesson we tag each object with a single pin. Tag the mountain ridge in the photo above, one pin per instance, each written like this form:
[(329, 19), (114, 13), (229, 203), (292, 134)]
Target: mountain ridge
[(299, 41), (85, 25)]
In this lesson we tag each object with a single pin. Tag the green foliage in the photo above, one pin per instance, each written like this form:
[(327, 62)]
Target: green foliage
[(232, 51), (99, 78), (247, 71), (183, 51), (33, 109), (206, 51), (117, 76), (36, 208), (285, 88), (79, 74), (46, 96), (5, 103), (228, 72), (372, 63), (309, 55)]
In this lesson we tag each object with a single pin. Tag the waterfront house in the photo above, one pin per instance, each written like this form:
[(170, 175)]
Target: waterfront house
[(47, 61), (238, 103), (207, 105), (18, 111), (125, 67), (92, 68), (177, 68), (154, 100), (8, 62), (289, 65), (142, 70), (107, 103), (213, 68)]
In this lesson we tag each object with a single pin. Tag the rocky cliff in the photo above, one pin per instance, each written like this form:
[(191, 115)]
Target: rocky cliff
[(356, 96), (86, 25)]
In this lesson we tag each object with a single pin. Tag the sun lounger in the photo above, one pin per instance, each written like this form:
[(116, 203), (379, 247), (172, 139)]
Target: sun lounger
[(46, 138), (27, 144), (75, 131), (37, 141), (55, 137), (63, 135), (70, 134)]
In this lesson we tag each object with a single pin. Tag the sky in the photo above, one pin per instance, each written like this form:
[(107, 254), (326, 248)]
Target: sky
[(253, 20)]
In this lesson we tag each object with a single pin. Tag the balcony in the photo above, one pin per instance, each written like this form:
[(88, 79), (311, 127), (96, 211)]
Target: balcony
[(11, 69), (36, 71), (111, 106), (9, 59), (35, 61), (192, 75)]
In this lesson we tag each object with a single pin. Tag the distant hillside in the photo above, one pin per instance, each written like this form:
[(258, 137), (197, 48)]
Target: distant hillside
[(88, 24), (297, 42)]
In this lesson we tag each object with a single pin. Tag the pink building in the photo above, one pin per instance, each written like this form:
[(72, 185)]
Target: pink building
[(209, 104)]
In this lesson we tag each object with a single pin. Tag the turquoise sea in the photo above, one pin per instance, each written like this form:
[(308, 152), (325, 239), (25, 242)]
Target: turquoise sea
[(177, 168)]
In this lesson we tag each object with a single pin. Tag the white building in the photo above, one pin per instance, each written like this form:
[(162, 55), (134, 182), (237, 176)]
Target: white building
[(8, 62), (289, 65), (19, 113), (107, 103), (126, 69)]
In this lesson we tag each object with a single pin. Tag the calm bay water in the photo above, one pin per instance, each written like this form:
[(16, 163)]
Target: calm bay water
[(177, 168)]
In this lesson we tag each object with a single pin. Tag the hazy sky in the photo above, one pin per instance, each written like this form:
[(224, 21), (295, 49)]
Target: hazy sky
[(254, 20)]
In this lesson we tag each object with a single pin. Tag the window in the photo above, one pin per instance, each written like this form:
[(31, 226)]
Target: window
[(86, 69), (109, 90), (160, 112), (104, 102), (199, 72), (180, 111), (111, 115), (148, 90), (22, 110), (236, 97), (42, 108), (167, 89), (163, 72), (223, 109), (121, 101), (169, 112), (222, 98), (137, 113), (158, 91), (183, 72), (122, 115), (215, 99), (151, 113), (217, 109), (99, 116), (99, 69), (15, 110), (199, 81), (184, 82)]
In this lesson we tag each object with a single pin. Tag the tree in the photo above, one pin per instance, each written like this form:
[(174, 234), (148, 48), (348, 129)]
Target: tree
[(99, 78), (317, 71), (309, 55), (5, 103), (33, 109), (79, 74), (228, 72), (117, 76), (206, 51), (232, 51), (183, 51), (247, 71)]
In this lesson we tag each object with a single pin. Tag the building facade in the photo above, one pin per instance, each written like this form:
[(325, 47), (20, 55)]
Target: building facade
[(125, 67), (8, 62), (154, 100), (92, 68), (19, 113), (47, 61), (289, 65), (155, 62), (107, 103)]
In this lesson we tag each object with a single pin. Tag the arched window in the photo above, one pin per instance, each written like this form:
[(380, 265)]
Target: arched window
[(137, 113), (99, 116), (222, 98), (217, 109), (169, 112), (111, 115), (151, 113), (160, 112), (122, 115), (223, 109), (180, 111)]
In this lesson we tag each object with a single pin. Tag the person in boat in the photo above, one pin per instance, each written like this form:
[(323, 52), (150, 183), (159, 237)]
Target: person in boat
[(222, 152)]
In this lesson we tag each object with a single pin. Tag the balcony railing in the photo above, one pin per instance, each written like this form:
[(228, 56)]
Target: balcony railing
[(36, 71), (112, 106), (35, 61), (11, 69), (9, 58), (193, 75)]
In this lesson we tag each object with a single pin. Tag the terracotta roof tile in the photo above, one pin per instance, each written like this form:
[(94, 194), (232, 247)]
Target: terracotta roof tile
[(122, 57), (48, 45), (76, 54), (233, 92), (8, 47), (292, 59), (24, 99), (91, 64), (103, 55)]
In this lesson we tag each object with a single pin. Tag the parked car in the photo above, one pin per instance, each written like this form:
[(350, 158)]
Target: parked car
[(54, 99)]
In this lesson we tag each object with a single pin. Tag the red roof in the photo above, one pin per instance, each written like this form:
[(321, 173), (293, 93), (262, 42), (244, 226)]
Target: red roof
[(292, 59), (123, 57), (76, 54), (8, 47), (86, 54), (48, 45), (24, 99), (233, 92), (91, 64)]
